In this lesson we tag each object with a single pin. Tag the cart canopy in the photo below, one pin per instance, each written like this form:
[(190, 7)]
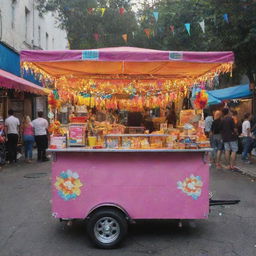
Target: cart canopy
[(127, 61)]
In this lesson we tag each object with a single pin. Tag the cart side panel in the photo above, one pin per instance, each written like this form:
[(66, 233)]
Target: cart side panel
[(147, 185)]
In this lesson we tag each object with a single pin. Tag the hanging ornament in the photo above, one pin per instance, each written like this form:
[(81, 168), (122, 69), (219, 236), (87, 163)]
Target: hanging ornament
[(201, 99)]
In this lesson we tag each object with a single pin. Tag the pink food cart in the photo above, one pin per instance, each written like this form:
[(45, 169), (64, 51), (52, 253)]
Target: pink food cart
[(110, 187)]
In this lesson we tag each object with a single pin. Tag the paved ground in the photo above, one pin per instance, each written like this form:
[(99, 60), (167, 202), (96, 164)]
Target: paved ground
[(27, 228)]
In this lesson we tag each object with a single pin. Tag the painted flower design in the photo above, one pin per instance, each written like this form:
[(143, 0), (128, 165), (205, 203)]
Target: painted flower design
[(68, 185), (192, 186)]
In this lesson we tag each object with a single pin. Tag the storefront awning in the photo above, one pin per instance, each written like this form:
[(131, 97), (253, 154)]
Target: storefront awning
[(10, 81)]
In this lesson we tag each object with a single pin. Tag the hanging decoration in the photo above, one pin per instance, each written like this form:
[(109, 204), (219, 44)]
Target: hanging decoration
[(121, 10), (147, 32), (187, 26), (125, 37), (201, 99), (156, 15), (225, 17), (202, 25)]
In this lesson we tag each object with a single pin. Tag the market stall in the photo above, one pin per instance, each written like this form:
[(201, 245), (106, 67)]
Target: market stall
[(101, 170)]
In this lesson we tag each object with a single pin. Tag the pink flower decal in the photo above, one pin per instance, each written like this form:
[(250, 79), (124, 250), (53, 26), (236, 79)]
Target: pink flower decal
[(192, 186), (68, 185)]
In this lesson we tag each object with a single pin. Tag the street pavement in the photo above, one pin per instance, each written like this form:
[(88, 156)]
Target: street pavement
[(28, 229)]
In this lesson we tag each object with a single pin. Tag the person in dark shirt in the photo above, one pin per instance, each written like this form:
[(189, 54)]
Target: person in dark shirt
[(229, 136), (217, 142)]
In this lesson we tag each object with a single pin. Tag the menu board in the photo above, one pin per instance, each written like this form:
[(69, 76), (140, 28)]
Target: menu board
[(76, 135)]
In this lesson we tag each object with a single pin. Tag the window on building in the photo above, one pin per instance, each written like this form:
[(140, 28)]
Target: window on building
[(39, 36), (13, 12), (47, 41), (27, 16)]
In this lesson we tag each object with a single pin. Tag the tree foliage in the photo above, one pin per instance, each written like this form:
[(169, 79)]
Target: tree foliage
[(238, 34)]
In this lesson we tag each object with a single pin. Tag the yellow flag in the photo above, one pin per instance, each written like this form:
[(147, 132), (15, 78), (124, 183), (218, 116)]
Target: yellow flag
[(103, 11)]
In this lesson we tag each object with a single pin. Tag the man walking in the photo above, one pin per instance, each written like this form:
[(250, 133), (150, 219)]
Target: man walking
[(229, 137), (12, 130), (41, 125)]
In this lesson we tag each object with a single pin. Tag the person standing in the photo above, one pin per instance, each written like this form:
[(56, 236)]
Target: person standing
[(12, 124), (208, 123), (40, 127), (229, 136), (217, 142), (247, 140), (28, 139)]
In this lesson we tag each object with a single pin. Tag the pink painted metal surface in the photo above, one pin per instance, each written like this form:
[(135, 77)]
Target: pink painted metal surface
[(127, 54), (147, 185)]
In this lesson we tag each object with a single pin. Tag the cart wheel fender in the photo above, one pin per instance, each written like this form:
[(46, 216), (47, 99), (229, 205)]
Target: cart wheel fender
[(107, 227), (109, 206)]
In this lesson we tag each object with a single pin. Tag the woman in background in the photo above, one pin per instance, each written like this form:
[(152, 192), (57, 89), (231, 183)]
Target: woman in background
[(28, 139)]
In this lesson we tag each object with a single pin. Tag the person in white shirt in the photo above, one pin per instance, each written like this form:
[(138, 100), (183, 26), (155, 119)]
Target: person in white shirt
[(12, 130), (41, 126), (247, 137)]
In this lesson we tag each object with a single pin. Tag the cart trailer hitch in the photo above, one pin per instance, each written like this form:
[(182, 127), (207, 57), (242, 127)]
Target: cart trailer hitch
[(223, 202)]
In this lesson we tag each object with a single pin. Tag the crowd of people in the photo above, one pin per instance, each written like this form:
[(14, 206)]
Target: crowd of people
[(26, 134), (225, 131)]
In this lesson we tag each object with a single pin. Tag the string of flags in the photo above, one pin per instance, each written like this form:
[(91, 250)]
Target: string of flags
[(149, 32)]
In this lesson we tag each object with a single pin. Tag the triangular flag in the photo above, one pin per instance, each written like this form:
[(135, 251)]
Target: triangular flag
[(125, 37), (187, 25), (121, 10), (225, 17), (147, 31), (172, 29), (96, 36), (90, 10), (103, 11), (202, 25), (156, 15), (133, 35)]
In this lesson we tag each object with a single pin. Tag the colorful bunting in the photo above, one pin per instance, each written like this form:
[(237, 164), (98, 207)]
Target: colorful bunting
[(156, 15), (202, 25), (125, 37), (147, 32), (103, 11), (225, 17), (121, 10), (187, 26)]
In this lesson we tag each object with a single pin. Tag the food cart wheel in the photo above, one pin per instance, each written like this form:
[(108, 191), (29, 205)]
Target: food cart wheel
[(107, 228)]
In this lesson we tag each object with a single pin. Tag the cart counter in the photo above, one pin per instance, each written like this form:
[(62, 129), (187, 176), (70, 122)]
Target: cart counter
[(145, 183)]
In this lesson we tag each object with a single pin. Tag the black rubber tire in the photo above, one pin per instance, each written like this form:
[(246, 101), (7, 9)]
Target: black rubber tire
[(115, 214)]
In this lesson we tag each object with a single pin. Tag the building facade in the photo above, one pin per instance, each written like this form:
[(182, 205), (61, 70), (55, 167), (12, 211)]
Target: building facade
[(22, 27)]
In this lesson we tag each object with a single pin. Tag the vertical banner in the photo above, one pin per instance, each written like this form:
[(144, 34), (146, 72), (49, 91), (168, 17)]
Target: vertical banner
[(156, 15), (202, 25), (187, 26)]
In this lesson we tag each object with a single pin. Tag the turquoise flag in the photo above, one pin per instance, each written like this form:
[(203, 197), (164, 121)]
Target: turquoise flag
[(156, 15), (187, 26)]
